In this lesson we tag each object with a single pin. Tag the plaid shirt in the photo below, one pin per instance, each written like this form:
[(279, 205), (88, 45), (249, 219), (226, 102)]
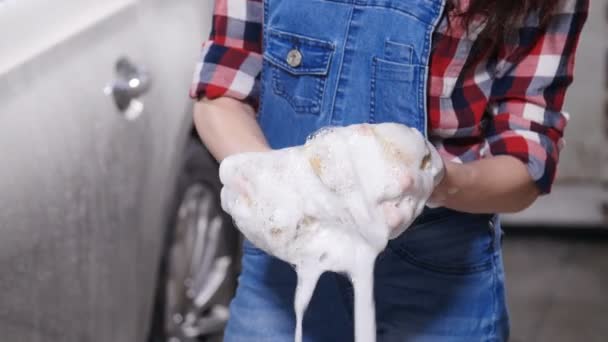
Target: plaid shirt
[(510, 104)]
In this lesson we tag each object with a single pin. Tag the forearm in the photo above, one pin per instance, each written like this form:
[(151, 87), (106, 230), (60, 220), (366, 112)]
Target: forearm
[(228, 126), (499, 184)]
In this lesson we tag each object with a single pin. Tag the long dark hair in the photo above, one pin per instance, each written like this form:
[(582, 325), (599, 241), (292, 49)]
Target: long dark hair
[(501, 17)]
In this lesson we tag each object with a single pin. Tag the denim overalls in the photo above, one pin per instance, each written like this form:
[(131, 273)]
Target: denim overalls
[(340, 62)]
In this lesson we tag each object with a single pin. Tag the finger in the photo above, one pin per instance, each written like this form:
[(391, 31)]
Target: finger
[(406, 181), (393, 216), (227, 200), (436, 201), (227, 170), (242, 186), (235, 204), (436, 164)]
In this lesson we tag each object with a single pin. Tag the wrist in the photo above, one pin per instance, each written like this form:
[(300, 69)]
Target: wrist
[(456, 180), (464, 176)]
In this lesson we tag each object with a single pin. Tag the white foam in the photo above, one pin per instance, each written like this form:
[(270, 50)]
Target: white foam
[(333, 204)]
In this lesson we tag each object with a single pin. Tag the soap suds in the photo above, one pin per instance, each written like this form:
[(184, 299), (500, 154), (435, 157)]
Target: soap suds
[(332, 204)]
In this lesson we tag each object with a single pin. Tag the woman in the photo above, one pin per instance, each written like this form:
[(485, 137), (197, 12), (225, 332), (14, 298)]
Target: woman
[(484, 80)]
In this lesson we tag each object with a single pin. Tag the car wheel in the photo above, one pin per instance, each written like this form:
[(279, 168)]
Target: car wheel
[(199, 264)]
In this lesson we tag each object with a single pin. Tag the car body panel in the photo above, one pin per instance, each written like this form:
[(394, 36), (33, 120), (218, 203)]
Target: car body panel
[(83, 189)]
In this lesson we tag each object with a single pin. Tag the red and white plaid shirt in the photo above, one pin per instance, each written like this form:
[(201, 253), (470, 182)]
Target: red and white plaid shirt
[(510, 104)]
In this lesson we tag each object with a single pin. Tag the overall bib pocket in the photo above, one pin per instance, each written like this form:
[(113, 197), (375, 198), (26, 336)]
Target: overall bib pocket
[(298, 67), (395, 93)]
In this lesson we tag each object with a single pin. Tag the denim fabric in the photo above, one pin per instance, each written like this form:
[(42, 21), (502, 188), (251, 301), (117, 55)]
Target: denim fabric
[(441, 281), (362, 61), (367, 61)]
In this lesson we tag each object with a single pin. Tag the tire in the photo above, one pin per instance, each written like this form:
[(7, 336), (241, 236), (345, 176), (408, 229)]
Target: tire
[(199, 263)]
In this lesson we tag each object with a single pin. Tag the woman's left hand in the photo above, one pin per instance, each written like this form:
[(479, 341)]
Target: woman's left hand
[(455, 177), (498, 184)]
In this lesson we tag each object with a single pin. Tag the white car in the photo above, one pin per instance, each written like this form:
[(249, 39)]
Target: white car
[(110, 226)]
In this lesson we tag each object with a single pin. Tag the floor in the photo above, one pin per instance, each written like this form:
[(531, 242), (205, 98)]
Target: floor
[(557, 284)]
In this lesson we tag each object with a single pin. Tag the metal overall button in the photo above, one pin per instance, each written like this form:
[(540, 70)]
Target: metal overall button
[(297, 70), (294, 58)]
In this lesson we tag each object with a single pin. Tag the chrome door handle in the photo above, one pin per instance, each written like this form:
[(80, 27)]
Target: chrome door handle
[(132, 81)]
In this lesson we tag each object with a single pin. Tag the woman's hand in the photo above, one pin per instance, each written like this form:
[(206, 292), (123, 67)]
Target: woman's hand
[(455, 178), (499, 184)]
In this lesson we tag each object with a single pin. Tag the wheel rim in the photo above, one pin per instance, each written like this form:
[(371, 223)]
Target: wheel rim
[(198, 266)]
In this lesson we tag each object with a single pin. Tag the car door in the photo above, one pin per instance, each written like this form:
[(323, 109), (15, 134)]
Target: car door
[(93, 112)]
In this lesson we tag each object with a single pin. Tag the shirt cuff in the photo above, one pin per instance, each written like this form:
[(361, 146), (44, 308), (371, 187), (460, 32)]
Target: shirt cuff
[(538, 152), (227, 71)]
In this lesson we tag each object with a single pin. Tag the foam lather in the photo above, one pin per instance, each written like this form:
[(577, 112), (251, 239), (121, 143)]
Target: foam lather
[(332, 204)]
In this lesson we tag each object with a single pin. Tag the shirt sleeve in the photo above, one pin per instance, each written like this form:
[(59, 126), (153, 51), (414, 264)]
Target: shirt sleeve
[(231, 60), (526, 104)]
